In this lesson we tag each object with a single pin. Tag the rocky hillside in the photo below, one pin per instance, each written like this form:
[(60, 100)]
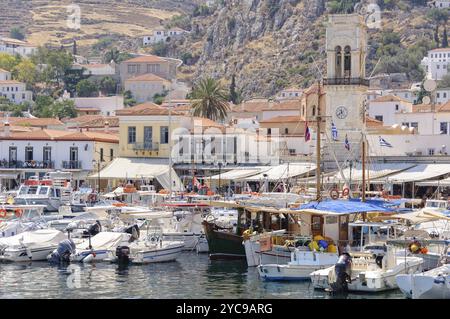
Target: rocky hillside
[(267, 45), (273, 44)]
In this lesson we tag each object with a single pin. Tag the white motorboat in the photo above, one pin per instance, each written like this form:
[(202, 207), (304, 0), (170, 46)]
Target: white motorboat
[(31, 245), (366, 272), (301, 265), (433, 284), (16, 219), (278, 254), (99, 247), (154, 250)]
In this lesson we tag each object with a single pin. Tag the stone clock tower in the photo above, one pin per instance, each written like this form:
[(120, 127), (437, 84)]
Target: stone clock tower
[(345, 84)]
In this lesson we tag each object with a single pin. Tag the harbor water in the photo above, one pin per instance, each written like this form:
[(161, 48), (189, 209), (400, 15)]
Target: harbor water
[(191, 277)]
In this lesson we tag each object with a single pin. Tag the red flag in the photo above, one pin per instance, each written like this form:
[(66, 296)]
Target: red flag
[(307, 133)]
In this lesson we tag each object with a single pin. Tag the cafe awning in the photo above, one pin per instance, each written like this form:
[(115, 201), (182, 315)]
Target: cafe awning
[(418, 173), (237, 174), (284, 171), (124, 168)]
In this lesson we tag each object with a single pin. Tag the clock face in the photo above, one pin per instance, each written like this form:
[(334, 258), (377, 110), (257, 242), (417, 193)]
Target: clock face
[(341, 112)]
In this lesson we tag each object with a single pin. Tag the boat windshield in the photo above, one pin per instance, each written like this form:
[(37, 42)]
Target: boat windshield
[(43, 190), (23, 190), (32, 190), (436, 204)]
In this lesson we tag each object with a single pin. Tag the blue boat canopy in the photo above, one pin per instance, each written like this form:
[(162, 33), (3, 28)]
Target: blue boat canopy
[(345, 207)]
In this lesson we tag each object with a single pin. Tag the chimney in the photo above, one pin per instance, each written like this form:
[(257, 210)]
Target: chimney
[(106, 127), (7, 129)]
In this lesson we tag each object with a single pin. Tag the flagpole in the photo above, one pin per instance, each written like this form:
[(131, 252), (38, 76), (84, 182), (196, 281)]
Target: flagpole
[(318, 146)]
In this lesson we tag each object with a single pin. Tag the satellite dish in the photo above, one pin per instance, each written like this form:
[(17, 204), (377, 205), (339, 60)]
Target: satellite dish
[(426, 100), (430, 85)]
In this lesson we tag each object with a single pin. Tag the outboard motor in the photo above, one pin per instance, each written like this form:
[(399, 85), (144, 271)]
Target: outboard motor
[(134, 232), (93, 230), (342, 274), (63, 252), (123, 255)]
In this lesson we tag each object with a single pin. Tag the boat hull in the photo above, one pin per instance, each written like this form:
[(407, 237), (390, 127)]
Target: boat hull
[(223, 245), (167, 253), (285, 272), (279, 255), (22, 255), (427, 285)]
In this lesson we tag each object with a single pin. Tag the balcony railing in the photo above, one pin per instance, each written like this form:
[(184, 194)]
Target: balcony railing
[(146, 147), (27, 164), (71, 165), (346, 81)]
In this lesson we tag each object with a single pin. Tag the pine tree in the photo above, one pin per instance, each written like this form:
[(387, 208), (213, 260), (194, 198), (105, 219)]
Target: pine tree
[(445, 39), (233, 93)]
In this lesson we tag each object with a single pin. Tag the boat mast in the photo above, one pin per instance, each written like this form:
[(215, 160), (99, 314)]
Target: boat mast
[(318, 146), (363, 150)]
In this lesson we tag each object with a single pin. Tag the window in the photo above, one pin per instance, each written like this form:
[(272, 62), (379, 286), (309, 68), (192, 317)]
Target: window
[(164, 134), (397, 107), (101, 155), (338, 61), (415, 125), (131, 135), (431, 151), (12, 154), (73, 154), (28, 153), (111, 154), (269, 131), (438, 95), (47, 154), (148, 136), (379, 118), (405, 124), (286, 131), (347, 62), (444, 128)]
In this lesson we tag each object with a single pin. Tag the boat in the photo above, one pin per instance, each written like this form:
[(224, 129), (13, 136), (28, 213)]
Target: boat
[(365, 272), (152, 250), (223, 244), (300, 266), (30, 245), (433, 284), (51, 191), (99, 247), (16, 219)]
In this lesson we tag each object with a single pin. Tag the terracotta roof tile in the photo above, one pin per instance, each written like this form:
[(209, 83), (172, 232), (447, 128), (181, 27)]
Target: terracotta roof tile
[(285, 119), (33, 122), (390, 98), (146, 109), (148, 77), (145, 59)]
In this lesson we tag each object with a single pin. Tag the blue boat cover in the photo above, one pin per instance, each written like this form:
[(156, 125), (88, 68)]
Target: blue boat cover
[(345, 207)]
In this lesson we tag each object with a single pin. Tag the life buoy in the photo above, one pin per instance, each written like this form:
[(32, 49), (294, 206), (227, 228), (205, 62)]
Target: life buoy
[(334, 194), (3, 213), (346, 191), (18, 213)]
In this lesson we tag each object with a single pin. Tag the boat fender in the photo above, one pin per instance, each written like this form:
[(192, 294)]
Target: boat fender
[(18, 213), (3, 213)]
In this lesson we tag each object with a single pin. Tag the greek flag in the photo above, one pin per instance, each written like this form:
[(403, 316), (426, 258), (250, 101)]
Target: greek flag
[(384, 143), (334, 132), (347, 143)]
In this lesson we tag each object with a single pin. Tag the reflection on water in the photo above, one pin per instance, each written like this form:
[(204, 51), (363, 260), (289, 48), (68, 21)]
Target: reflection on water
[(193, 276)]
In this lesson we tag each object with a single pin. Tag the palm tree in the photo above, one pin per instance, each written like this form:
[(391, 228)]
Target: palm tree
[(210, 100)]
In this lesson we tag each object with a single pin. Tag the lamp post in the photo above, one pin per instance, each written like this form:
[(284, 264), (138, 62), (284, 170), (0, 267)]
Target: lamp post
[(220, 172)]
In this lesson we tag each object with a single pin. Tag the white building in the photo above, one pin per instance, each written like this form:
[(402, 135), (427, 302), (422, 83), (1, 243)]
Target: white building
[(107, 106), (98, 69), (13, 47), (385, 108), (26, 154), (144, 87), (290, 94), (436, 63), (161, 35), (441, 4), (15, 91), (5, 75), (442, 95)]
